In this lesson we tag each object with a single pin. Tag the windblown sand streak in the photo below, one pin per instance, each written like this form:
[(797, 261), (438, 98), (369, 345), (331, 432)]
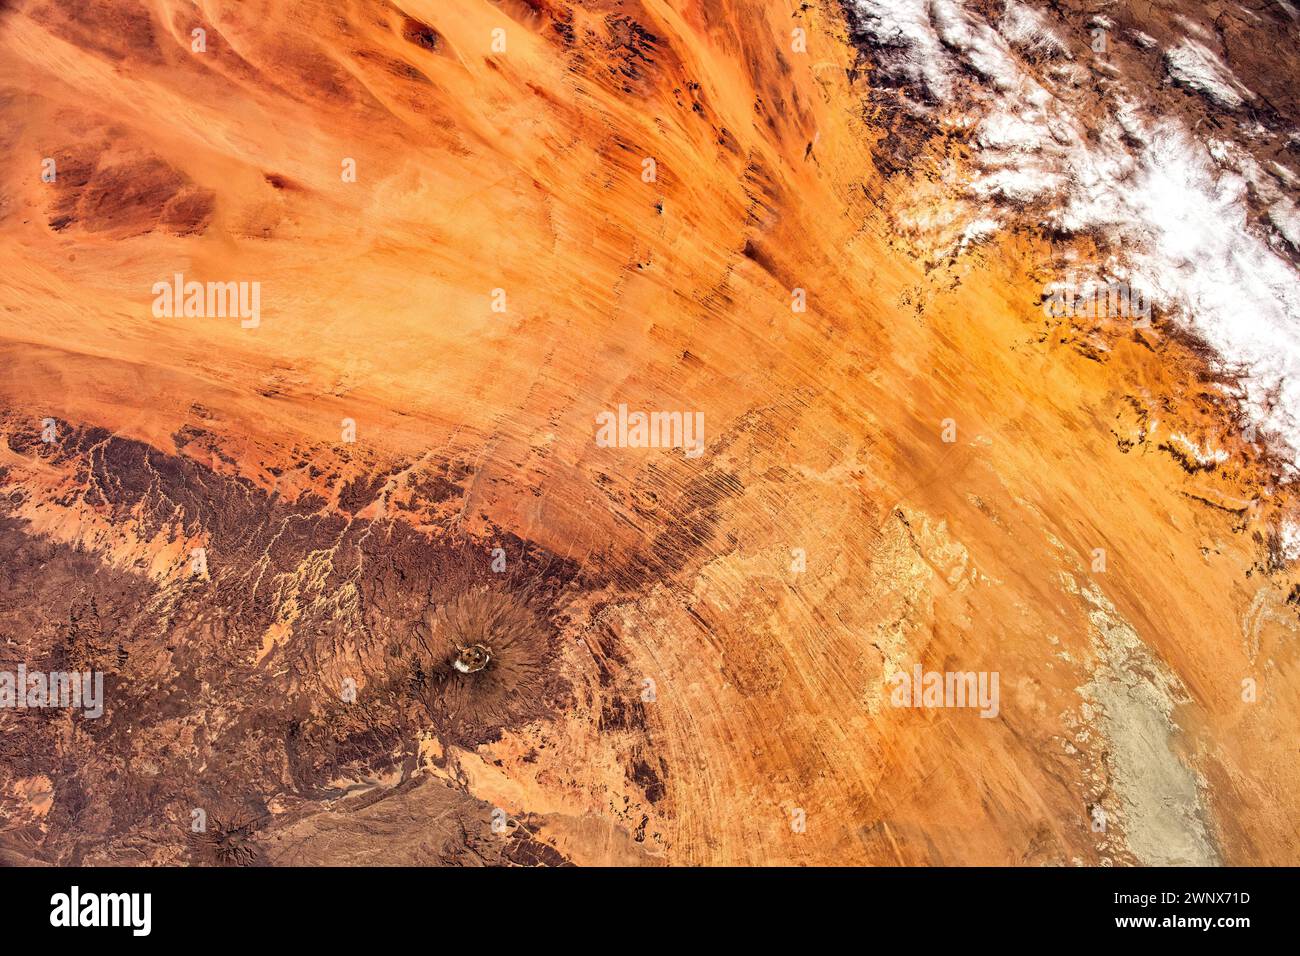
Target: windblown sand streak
[(688, 649)]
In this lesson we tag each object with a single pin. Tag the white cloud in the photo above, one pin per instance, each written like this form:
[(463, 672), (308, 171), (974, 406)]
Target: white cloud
[(1192, 65), (1176, 210)]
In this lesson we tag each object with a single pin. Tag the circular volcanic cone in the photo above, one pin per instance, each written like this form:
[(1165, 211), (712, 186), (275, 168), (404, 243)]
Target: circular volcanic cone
[(480, 663), (228, 840)]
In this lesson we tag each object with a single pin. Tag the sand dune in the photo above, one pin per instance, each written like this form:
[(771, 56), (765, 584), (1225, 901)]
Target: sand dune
[(599, 205)]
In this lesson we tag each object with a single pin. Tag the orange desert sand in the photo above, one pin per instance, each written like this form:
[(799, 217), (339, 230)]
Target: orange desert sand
[(693, 654)]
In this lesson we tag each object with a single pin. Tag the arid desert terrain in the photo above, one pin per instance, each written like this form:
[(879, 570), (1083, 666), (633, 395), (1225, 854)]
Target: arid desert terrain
[(325, 333)]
